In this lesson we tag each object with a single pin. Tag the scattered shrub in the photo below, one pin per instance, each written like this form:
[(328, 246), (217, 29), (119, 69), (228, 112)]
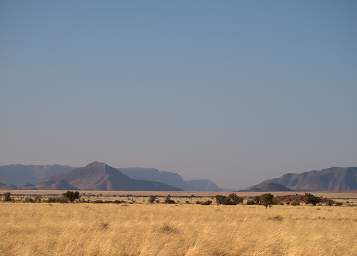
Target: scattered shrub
[(295, 203), (57, 200), (72, 196), (168, 200), (29, 200), (119, 201), (276, 201), (152, 199), (250, 202), (329, 202), (267, 200), (311, 199), (7, 197), (168, 229), (235, 198), (220, 199), (37, 199), (257, 200), (231, 199), (208, 202)]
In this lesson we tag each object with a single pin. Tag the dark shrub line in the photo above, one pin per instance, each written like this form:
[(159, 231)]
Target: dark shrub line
[(266, 199)]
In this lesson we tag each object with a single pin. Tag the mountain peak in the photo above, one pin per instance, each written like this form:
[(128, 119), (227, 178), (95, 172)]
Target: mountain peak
[(96, 164)]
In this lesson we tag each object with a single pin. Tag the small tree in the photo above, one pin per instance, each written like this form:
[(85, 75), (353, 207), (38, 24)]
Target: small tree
[(250, 202), (267, 200), (235, 199), (220, 199), (152, 199), (257, 200), (231, 199), (311, 199), (7, 197), (329, 202), (72, 196), (168, 200)]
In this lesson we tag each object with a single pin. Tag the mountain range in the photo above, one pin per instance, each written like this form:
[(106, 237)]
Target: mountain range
[(336, 179), (170, 178), (100, 176), (97, 176)]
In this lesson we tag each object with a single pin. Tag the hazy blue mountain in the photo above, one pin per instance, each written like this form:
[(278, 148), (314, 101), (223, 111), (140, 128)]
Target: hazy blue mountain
[(332, 179), (6, 186), (155, 175), (203, 185), (32, 176), (268, 186), (170, 178), (19, 175), (53, 183), (100, 176)]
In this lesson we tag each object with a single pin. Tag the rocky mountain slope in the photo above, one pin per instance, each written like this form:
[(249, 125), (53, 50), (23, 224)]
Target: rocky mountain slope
[(336, 179)]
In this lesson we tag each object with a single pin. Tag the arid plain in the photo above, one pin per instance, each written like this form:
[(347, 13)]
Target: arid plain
[(186, 229)]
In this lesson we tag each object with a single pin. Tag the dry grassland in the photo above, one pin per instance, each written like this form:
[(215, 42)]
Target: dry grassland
[(143, 229)]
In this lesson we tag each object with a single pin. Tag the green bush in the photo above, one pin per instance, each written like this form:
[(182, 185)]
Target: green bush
[(257, 200), (231, 199), (72, 196), (267, 200), (311, 199), (235, 198), (250, 202)]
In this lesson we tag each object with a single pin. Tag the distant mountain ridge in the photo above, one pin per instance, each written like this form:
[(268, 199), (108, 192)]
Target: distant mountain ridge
[(20, 174), (170, 178), (267, 187), (54, 177), (7, 186), (100, 176), (336, 179)]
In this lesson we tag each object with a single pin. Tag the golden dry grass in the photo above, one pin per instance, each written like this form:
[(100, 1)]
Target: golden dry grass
[(141, 229)]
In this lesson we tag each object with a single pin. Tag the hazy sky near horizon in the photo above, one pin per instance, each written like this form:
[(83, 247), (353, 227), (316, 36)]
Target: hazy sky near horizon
[(234, 91)]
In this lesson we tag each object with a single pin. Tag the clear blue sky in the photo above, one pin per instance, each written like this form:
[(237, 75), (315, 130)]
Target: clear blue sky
[(235, 91)]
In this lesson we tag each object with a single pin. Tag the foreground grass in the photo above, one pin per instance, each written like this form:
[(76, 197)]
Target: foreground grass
[(139, 229)]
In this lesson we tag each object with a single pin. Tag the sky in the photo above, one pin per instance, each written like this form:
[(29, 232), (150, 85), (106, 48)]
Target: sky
[(233, 91)]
